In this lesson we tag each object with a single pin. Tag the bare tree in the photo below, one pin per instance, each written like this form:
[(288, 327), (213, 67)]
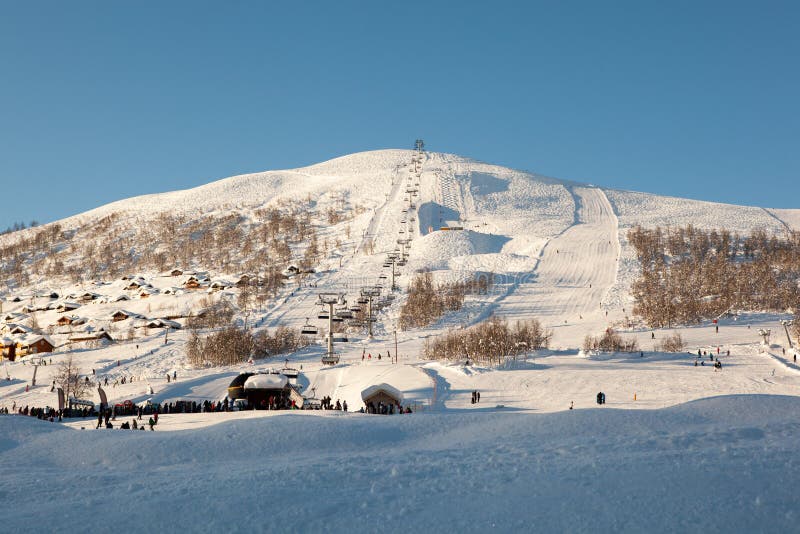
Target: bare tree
[(69, 379)]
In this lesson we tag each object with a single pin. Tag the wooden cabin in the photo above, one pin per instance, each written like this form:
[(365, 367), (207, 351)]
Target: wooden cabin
[(66, 320), (121, 315), (99, 335), (136, 284), (8, 348), (193, 283), (34, 345), (67, 306), (147, 291), (218, 285)]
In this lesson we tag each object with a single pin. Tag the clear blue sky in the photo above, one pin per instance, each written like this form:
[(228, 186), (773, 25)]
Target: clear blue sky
[(105, 100)]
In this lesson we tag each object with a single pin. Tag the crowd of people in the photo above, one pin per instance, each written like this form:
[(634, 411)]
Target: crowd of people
[(46, 414), (384, 408), (701, 354)]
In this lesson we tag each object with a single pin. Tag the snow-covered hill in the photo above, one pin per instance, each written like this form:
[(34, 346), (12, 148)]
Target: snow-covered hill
[(509, 216), (652, 459)]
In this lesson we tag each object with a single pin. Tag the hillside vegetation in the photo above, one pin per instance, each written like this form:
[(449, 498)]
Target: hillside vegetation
[(688, 274)]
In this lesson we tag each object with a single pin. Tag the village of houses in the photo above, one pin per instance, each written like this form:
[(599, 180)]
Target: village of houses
[(122, 310)]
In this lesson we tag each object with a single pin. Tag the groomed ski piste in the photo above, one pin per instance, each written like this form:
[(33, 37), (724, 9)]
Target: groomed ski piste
[(676, 447)]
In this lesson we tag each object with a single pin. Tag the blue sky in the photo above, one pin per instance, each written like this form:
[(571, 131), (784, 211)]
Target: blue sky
[(105, 100)]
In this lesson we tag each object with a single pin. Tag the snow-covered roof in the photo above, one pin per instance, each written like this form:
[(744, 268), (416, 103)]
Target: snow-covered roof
[(88, 334), (386, 388), (266, 381), (67, 305), (125, 312), (30, 339), (14, 316), (20, 329), (174, 291), (25, 340)]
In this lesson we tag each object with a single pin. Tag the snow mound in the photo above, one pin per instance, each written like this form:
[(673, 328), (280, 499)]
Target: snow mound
[(435, 250)]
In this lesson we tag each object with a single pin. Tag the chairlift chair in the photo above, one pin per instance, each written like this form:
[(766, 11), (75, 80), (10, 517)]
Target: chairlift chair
[(344, 313), (309, 329)]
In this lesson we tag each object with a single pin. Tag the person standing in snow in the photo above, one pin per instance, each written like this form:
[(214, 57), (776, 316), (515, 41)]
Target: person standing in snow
[(151, 423), (344, 406)]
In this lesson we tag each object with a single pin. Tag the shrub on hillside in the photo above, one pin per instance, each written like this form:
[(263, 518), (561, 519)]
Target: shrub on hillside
[(233, 345), (688, 274), (610, 341), (673, 343), (427, 302), (491, 341)]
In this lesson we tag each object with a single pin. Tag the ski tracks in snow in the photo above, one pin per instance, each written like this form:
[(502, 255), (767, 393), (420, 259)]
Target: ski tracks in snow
[(575, 271)]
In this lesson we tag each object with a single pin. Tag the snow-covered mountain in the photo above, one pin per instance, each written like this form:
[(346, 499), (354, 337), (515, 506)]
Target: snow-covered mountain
[(507, 216)]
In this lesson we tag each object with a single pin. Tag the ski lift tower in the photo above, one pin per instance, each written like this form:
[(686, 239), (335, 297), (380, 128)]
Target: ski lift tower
[(393, 260), (419, 146), (404, 243), (370, 293), (765, 335), (786, 325), (330, 299)]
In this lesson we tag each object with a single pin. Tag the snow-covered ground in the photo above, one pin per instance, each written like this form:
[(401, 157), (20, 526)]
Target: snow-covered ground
[(678, 446), (726, 464)]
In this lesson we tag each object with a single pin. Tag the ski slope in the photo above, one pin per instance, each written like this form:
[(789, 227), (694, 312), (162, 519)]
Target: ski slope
[(574, 272)]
